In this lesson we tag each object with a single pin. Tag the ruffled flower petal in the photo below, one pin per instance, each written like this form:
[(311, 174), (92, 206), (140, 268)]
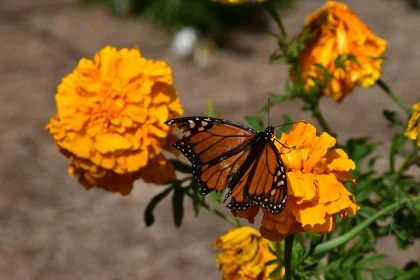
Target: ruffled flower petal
[(316, 194), (110, 119), (342, 44), (244, 255)]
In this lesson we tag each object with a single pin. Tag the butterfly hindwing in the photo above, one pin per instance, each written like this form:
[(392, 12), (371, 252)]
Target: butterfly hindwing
[(216, 148), (264, 182)]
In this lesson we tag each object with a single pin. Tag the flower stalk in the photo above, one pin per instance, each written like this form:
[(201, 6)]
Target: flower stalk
[(271, 9), (317, 113), (393, 96), (327, 246), (232, 221), (288, 248)]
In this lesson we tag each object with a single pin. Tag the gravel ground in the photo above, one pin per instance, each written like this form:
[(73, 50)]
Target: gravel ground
[(51, 228)]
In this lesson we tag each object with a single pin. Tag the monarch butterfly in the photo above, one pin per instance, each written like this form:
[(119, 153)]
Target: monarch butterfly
[(228, 155)]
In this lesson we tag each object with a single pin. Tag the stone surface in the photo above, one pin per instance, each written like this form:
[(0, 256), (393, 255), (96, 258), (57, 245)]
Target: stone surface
[(52, 229)]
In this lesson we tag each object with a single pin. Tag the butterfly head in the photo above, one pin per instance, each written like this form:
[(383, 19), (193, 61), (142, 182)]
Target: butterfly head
[(269, 131)]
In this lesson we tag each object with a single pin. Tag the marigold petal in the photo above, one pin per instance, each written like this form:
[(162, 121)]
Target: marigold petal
[(158, 171), (136, 161), (325, 142), (328, 188), (338, 34), (81, 146), (106, 143), (136, 113), (235, 236), (310, 214), (413, 128), (248, 214), (327, 226), (271, 234), (301, 186), (338, 160)]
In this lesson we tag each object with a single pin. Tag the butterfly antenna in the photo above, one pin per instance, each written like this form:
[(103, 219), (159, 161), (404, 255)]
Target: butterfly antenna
[(268, 111), (290, 123), (287, 147)]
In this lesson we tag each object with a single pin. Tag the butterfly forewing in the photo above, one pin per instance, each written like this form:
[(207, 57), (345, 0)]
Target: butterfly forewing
[(216, 148)]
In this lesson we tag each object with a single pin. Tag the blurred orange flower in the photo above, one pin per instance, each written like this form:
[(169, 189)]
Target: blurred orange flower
[(413, 128), (245, 254), (315, 189), (343, 45), (110, 120)]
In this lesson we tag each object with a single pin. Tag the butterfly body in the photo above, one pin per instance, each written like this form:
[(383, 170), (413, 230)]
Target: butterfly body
[(227, 155)]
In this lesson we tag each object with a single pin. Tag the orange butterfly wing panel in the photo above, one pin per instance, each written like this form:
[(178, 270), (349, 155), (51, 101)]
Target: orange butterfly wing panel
[(215, 147), (264, 183)]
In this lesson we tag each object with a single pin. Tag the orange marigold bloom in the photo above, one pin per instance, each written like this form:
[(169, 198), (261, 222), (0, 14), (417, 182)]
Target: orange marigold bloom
[(110, 120), (413, 128), (245, 254), (315, 189), (344, 46)]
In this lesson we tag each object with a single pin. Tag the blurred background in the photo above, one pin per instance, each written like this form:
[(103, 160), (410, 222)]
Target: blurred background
[(51, 228)]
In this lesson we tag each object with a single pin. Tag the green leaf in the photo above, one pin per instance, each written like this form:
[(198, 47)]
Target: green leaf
[(386, 272), (272, 262), (178, 205), (369, 261), (181, 167), (278, 98), (392, 117), (359, 275), (149, 218), (325, 72), (400, 232), (413, 274), (286, 119), (351, 261), (210, 109), (217, 196), (397, 143), (198, 199), (255, 122), (275, 272)]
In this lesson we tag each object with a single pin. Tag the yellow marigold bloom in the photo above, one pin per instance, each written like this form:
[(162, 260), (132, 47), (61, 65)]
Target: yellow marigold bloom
[(413, 128), (315, 189), (344, 46), (236, 2), (110, 120), (245, 254)]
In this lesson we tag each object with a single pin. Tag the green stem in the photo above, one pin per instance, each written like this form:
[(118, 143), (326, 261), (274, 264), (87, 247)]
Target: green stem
[(288, 248), (320, 118), (232, 221), (393, 96), (327, 246), (407, 164), (271, 9)]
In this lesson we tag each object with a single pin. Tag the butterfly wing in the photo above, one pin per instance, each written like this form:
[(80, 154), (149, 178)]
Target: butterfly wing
[(216, 148), (264, 182)]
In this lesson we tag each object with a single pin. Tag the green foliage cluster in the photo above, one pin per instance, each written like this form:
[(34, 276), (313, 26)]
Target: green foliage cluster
[(205, 15)]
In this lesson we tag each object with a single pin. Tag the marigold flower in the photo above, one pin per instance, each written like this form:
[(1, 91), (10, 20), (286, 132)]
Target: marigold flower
[(110, 120), (344, 46), (413, 128), (245, 254), (315, 189), (237, 2)]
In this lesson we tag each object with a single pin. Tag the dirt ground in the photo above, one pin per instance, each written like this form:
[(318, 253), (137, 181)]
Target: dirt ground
[(51, 228)]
